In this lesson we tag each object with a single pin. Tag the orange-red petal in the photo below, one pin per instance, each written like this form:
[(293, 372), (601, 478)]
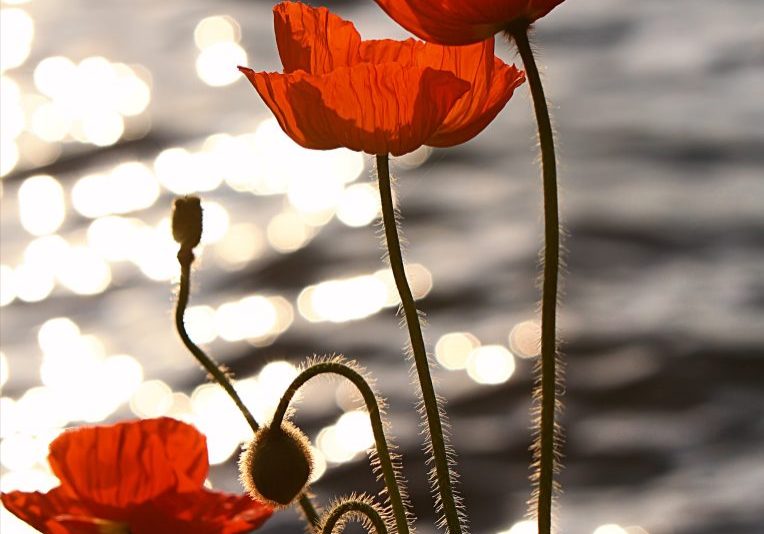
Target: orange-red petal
[(313, 39), (43, 510), (130, 463), (201, 512), (377, 109), (492, 82), (459, 22)]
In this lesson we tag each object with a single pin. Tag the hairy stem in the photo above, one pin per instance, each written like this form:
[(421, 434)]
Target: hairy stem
[(356, 507), (432, 410), (186, 258), (547, 383), (389, 475)]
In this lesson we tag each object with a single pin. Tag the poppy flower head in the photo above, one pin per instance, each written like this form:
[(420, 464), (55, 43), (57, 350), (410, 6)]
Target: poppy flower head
[(460, 22), (140, 477), (276, 466), (377, 96)]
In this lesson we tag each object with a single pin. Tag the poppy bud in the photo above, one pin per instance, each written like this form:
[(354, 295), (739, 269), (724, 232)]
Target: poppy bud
[(187, 221), (277, 465)]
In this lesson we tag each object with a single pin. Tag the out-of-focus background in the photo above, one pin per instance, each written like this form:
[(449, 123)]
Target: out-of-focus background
[(110, 109)]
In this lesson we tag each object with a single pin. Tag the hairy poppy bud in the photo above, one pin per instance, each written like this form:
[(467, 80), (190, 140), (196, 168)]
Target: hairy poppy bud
[(277, 464), (187, 221)]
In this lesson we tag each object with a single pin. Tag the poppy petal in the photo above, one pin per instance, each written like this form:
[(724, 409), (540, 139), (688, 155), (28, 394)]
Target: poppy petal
[(41, 510), (492, 82), (459, 22), (128, 463), (200, 512), (377, 109), (313, 39)]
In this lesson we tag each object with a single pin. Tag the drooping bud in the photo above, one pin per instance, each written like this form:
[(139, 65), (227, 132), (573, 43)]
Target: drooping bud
[(276, 466), (187, 221)]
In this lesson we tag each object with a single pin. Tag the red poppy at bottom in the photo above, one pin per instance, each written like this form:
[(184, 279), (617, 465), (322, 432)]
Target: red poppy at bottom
[(139, 477)]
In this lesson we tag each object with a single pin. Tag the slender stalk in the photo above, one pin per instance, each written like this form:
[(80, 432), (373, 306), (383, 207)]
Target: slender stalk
[(383, 451), (309, 511), (547, 382), (358, 508), (432, 410), (186, 258)]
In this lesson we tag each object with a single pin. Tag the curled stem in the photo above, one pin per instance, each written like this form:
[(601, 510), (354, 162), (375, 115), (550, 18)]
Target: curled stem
[(430, 400), (386, 464), (359, 508), (548, 380), (186, 258)]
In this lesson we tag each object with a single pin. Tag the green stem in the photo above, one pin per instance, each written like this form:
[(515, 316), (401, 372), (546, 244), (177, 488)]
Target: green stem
[(389, 474), (186, 258), (548, 381), (432, 410), (355, 507)]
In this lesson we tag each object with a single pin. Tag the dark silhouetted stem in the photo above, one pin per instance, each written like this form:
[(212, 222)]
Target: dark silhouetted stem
[(357, 507), (186, 258), (432, 410), (548, 380), (383, 451)]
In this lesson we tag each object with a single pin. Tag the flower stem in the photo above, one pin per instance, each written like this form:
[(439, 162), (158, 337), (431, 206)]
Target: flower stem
[(186, 258), (548, 381), (432, 410), (357, 508), (386, 463)]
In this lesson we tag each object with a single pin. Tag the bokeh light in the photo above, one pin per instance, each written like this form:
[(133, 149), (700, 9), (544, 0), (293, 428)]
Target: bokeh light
[(525, 339), (490, 364), (41, 205), (453, 349)]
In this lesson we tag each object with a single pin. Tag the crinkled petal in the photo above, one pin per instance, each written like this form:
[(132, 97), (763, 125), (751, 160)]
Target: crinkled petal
[(313, 39), (377, 109), (49, 512), (459, 22), (201, 512), (129, 463), (492, 82)]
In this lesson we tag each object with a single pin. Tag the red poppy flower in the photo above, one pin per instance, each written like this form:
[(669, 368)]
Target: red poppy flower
[(139, 477), (460, 22), (378, 96)]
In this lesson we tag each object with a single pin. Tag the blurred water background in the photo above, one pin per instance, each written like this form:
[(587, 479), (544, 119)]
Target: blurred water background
[(110, 109)]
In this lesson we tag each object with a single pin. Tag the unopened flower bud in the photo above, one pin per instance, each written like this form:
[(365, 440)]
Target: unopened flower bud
[(187, 221), (277, 464)]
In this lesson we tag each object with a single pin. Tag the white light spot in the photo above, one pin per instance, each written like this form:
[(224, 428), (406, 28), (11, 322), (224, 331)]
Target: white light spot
[(16, 35), (84, 272), (359, 205), (354, 429), (452, 350), (610, 528), (41, 205), (216, 29), (200, 324), (287, 232), (216, 221), (525, 339), (7, 285), (102, 127), (241, 244), (53, 72), (216, 64), (152, 398), (491, 364), (522, 527), (33, 282)]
